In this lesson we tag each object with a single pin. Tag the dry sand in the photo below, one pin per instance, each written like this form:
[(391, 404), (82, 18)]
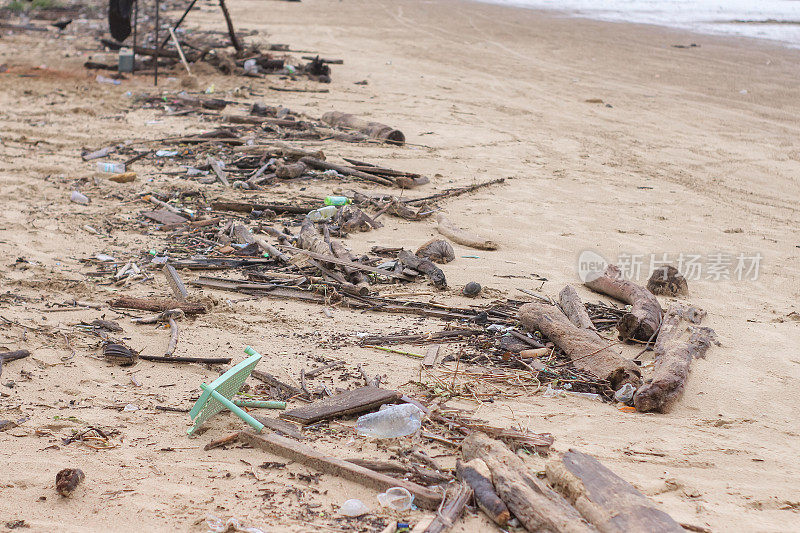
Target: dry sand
[(697, 151)]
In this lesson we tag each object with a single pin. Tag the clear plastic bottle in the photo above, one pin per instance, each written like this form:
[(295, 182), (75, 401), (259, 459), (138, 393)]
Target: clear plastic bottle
[(79, 198), (323, 213), (392, 422), (111, 168), (337, 200)]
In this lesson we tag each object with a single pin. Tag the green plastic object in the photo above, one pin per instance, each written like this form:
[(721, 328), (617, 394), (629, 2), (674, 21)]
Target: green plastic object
[(217, 396), (259, 404)]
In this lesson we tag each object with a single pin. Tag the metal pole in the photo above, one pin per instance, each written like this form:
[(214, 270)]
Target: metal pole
[(155, 75), (180, 21), (135, 26)]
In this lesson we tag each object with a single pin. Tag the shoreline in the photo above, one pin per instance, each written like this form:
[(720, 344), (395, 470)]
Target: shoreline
[(684, 27)]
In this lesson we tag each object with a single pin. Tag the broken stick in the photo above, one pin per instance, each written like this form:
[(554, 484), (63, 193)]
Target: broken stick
[(674, 354), (478, 476), (587, 350), (158, 305), (573, 307), (423, 497)]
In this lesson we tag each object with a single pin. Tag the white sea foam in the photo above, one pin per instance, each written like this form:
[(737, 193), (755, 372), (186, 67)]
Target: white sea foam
[(777, 20)]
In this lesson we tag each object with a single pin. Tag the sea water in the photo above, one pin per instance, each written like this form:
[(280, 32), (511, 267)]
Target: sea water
[(777, 20)]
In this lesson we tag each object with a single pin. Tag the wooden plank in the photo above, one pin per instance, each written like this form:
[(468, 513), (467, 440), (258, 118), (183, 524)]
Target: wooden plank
[(423, 497), (347, 403), (606, 500), (281, 426), (431, 355)]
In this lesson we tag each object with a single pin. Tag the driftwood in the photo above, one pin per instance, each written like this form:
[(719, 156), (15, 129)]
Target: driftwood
[(478, 476), (460, 236), (356, 276), (533, 502), (344, 170), (244, 236), (5, 357), (423, 497), (158, 305), (222, 441), (667, 281), (604, 499), (573, 307), (374, 130), (425, 266), (281, 426), (644, 318), (587, 350), (674, 354), (175, 283), (451, 509), (245, 207), (437, 250)]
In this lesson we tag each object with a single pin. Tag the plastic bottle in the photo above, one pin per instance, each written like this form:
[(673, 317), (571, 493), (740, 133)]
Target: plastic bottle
[(111, 168), (323, 213), (337, 200), (392, 422)]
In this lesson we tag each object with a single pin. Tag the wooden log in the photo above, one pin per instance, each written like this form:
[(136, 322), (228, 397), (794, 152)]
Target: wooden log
[(423, 497), (463, 237), (158, 305), (374, 130), (667, 281), (347, 403), (345, 171), (531, 500), (246, 207), (677, 344), (644, 318), (425, 266), (587, 350), (573, 307), (451, 509), (604, 499), (478, 476)]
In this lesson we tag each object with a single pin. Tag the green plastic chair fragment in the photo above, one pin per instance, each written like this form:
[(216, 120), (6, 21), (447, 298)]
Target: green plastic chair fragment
[(217, 396)]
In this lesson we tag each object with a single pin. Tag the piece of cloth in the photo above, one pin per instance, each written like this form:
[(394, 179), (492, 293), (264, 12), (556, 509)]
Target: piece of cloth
[(119, 18)]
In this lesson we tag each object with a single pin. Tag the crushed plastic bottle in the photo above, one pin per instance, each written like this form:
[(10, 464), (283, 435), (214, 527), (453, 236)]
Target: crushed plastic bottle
[(79, 198), (103, 79), (323, 213), (625, 393), (111, 168), (353, 507), (391, 422), (587, 395), (337, 200), (397, 498)]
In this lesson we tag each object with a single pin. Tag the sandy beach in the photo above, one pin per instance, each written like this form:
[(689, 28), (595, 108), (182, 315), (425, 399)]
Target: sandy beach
[(611, 139)]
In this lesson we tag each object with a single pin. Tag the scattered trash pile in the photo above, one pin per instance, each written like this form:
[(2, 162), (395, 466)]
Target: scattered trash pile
[(244, 241)]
